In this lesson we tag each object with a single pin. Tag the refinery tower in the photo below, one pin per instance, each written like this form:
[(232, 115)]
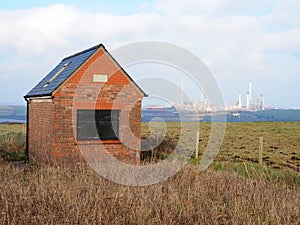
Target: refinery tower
[(249, 96)]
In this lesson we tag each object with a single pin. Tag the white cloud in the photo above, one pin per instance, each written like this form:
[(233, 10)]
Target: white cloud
[(32, 30), (232, 37), (213, 7)]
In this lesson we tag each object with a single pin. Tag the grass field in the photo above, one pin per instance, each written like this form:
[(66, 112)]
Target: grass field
[(7, 128), (235, 189), (281, 142), (281, 146)]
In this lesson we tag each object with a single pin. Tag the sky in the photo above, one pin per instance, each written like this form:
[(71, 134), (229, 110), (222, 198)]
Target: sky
[(238, 40)]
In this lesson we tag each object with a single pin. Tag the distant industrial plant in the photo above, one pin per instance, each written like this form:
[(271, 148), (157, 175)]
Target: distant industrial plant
[(250, 104), (204, 110), (205, 105)]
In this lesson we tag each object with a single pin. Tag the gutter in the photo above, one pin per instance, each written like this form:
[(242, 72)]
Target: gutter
[(37, 96)]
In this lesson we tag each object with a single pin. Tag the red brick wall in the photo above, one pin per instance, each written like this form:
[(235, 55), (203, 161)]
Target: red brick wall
[(81, 92), (40, 130)]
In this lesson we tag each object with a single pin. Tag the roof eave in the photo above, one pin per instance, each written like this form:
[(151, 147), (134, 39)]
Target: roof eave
[(26, 97)]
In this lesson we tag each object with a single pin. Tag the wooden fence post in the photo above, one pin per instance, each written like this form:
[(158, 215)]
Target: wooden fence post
[(197, 145), (260, 151)]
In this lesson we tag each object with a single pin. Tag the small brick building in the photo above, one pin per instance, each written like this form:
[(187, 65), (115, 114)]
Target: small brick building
[(86, 102)]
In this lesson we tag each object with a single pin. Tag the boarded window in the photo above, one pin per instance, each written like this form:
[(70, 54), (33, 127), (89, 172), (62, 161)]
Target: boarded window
[(98, 124)]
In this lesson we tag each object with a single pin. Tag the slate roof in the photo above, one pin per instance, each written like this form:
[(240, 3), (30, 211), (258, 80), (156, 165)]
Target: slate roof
[(71, 63)]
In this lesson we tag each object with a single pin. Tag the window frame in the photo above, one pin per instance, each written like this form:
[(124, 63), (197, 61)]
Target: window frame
[(94, 121)]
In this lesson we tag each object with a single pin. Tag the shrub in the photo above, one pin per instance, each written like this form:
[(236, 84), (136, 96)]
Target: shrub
[(12, 146), (156, 148)]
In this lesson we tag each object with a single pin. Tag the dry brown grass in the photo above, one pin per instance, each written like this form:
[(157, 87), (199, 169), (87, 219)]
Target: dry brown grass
[(242, 195), (57, 196)]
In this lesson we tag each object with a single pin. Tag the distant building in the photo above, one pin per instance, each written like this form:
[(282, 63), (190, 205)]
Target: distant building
[(248, 105), (106, 110), (260, 103), (240, 103)]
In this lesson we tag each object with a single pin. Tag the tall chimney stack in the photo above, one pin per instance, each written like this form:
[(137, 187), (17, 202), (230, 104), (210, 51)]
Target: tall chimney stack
[(240, 101), (248, 101), (250, 93)]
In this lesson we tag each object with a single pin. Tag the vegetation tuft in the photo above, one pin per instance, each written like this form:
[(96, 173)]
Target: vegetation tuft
[(12, 143), (156, 148), (254, 170)]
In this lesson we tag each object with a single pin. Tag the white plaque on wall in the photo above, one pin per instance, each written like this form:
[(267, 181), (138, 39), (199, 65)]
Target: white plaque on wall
[(100, 78)]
